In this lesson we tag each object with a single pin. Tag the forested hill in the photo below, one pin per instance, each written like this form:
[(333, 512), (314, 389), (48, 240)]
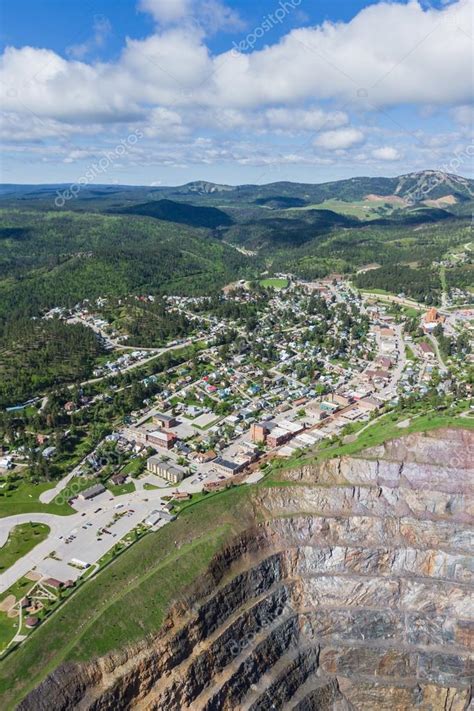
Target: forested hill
[(59, 258), (181, 213)]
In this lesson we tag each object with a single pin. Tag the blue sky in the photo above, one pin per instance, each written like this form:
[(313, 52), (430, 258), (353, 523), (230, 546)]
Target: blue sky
[(167, 91)]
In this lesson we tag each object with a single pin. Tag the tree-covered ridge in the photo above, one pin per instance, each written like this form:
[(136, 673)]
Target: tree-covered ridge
[(37, 354), (461, 277), (54, 258), (420, 284), (181, 213)]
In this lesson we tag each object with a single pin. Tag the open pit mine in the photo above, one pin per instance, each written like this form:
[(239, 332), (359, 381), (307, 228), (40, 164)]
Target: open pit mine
[(352, 590)]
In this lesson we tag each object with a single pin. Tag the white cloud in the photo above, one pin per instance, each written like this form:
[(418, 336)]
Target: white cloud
[(166, 11), (396, 53), (387, 153), (295, 120), (165, 124), (339, 139), (101, 30), (209, 15), (464, 115)]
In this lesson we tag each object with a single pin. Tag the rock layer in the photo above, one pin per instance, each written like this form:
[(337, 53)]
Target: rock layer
[(354, 592)]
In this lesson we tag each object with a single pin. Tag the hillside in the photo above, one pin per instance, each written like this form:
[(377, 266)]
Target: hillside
[(181, 213)]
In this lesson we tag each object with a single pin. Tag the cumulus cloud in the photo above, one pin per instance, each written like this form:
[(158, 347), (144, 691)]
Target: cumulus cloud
[(464, 115), (208, 15), (166, 11), (101, 30), (387, 153), (389, 54), (339, 139)]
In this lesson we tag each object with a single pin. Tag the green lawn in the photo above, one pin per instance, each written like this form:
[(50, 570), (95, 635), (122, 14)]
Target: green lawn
[(8, 629), (22, 539), (134, 466), (126, 488), (274, 283), (409, 353), (18, 589), (24, 498)]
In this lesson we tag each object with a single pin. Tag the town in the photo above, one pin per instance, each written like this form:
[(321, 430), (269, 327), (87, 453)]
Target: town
[(276, 368)]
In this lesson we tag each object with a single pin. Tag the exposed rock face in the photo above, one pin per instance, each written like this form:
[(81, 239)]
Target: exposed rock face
[(356, 592)]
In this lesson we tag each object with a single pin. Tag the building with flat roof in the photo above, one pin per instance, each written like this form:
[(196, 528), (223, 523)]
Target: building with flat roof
[(225, 466), (92, 491), (165, 421), (159, 438), (278, 436), (164, 470)]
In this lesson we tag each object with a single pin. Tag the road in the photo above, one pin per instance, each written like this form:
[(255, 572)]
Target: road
[(435, 345), (138, 364), (410, 303)]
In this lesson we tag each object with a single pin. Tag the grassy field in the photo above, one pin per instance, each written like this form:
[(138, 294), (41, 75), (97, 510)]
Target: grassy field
[(274, 283), (22, 539), (126, 488), (362, 210), (128, 599), (24, 498)]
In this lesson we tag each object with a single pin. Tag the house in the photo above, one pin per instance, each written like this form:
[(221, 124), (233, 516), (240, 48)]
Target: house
[(427, 350), (340, 400), (278, 436), (203, 457), (53, 583), (166, 471), (118, 479), (182, 496), (369, 403), (131, 434), (153, 518), (377, 375), (166, 516), (91, 492)]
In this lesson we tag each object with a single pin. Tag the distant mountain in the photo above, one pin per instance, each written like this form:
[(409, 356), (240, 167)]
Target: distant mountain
[(402, 191), (202, 187)]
